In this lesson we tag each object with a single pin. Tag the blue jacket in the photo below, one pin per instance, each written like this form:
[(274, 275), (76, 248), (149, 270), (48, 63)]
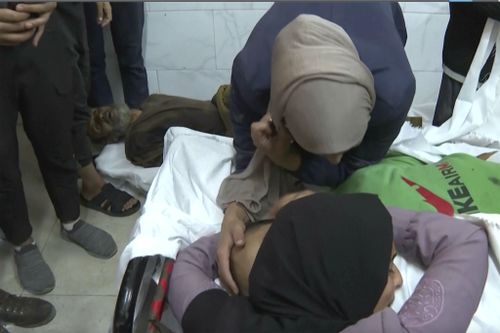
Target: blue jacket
[(379, 34)]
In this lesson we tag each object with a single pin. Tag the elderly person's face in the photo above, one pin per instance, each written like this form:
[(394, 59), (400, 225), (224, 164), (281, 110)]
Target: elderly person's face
[(109, 123), (106, 121)]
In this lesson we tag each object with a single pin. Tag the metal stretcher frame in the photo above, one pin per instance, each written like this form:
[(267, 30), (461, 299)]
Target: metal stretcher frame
[(134, 277)]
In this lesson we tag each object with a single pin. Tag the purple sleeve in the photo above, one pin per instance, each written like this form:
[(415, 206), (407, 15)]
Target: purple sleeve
[(194, 272), (455, 256)]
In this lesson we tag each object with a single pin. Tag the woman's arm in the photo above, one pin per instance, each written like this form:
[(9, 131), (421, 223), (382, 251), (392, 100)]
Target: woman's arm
[(194, 272), (242, 116), (455, 256), (197, 302)]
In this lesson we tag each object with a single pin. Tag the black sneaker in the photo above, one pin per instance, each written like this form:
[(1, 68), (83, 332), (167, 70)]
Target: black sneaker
[(25, 311)]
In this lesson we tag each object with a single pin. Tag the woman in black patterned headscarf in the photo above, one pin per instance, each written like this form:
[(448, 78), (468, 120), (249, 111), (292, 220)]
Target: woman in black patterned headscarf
[(323, 265)]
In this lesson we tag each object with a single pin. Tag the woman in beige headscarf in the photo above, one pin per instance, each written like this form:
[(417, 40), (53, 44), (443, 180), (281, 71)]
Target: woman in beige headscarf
[(321, 97)]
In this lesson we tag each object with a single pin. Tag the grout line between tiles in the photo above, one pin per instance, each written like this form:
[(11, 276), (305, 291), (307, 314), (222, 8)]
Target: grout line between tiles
[(49, 236), (214, 38), (157, 81)]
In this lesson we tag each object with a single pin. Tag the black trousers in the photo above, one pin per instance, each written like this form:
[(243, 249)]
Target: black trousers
[(38, 83), (448, 93), (81, 117), (72, 26), (126, 29)]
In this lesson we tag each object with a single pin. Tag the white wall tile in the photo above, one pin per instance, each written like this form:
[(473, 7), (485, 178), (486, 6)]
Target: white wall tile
[(180, 40), (190, 46), (426, 7), (425, 40), (176, 6), (427, 88), (232, 28), (262, 5), (153, 82), (200, 84)]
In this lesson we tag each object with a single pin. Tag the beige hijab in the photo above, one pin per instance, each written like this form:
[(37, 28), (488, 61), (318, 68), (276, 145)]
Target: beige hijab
[(319, 87), (323, 94)]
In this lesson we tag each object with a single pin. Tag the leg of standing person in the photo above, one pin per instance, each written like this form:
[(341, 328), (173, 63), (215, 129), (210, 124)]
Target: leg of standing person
[(33, 272), (47, 111), (45, 78), (59, 169), (127, 27), (100, 93), (93, 185), (95, 192), (448, 93)]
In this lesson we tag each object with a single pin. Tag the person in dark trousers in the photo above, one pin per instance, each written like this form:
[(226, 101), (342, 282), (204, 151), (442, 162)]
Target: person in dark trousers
[(39, 83), (377, 32), (95, 192), (461, 40), (126, 29)]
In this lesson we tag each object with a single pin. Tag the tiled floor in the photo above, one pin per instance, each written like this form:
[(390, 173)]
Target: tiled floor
[(86, 288)]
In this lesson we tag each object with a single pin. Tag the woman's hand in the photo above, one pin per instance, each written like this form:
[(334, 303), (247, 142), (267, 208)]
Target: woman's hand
[(104, 13), (232, 234), (262, 130), (14, 28), (17, 26), (277, 145)]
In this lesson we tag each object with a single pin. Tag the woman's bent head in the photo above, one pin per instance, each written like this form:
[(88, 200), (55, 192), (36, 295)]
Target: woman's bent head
[(326, 259), (320, 89)]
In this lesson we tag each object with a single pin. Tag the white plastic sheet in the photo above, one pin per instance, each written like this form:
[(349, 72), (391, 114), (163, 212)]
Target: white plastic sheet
[(474, 127), (181, 207)]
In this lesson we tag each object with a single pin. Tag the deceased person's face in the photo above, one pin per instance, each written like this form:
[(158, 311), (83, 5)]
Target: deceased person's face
[(109, 123)]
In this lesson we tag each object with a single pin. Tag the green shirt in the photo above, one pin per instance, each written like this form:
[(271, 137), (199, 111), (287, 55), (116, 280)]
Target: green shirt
[(458, 184)]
